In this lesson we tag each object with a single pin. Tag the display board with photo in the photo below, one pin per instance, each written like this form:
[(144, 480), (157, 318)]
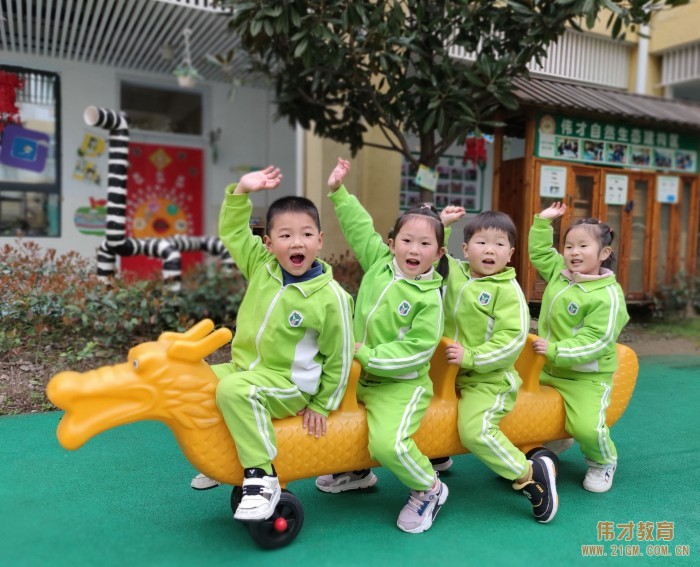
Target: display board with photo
[(591, 140), (458, 184)]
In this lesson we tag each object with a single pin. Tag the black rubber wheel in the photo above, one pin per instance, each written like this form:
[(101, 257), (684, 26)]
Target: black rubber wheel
[(236, 495), (267, 536), (544, 452)]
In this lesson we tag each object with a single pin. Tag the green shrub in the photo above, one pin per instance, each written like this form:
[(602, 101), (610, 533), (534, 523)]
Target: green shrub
[(51, 301), (347, 272), (678, 300)]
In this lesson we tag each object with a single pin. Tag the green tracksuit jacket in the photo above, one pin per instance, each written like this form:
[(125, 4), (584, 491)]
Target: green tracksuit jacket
[(399, 323), (301, 332), (489, 317), (581, 319)]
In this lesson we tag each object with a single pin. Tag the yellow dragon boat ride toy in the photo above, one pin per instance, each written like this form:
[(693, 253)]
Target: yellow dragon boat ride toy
[(169, 381)]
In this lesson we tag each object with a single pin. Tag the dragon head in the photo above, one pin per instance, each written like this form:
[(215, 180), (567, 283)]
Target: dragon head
[(167, 380)]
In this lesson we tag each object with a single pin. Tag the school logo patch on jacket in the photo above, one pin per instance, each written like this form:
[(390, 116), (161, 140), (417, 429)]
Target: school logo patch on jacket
[(572, 308), (404, 308), (295, 318), (484, 298)]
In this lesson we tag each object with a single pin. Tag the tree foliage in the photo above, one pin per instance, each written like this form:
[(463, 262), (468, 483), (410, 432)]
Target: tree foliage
[(340, 67)]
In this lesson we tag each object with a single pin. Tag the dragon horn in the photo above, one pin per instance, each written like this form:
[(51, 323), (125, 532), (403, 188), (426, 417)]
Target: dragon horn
[(193, 351), (198, 331)]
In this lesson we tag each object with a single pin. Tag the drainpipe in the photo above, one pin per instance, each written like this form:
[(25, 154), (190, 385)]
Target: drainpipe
[(300, 157), (642, 60)]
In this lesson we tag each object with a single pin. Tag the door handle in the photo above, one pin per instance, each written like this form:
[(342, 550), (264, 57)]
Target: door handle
[(629, 206)]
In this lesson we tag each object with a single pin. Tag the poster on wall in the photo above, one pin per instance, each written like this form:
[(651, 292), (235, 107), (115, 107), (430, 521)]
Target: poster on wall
[(552, 182), (165, 188), (615, 189), (667, 188), (87, 166)]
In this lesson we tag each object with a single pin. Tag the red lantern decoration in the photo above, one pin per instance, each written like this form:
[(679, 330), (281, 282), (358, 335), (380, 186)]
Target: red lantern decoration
[(475, 151)]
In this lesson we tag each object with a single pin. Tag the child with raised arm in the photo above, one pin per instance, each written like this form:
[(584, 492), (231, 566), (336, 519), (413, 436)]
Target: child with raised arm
[(398, 325), (293, 347), (583, 312), (487, 315)]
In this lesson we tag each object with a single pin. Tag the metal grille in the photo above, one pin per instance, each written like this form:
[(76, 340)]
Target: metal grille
[(126, 34), (680, 65), (581, 57)]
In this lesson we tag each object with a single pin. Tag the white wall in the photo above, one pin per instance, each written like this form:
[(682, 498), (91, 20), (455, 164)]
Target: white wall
[(250, 137)]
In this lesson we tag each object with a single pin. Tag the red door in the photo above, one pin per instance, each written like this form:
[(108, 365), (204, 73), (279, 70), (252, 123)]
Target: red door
[(164, 198)]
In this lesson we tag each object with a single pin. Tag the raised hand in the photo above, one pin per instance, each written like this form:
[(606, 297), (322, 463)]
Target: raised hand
[(451, 214), (554, 211), (268, 178), (338, 174)]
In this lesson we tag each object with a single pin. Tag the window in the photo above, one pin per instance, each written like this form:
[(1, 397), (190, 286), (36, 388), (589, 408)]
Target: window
[(30, 143), (162, 110)]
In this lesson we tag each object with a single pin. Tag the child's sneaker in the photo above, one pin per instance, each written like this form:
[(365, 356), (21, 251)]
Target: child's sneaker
[(599, 478), (541, 489), (419, 512), (261, 494), (441, 464), (340, 482), (203, 482)]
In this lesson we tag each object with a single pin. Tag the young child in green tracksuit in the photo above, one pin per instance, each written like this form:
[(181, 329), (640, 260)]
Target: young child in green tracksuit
[(583, 312), (487, 315), (398, 325), (293, 347)]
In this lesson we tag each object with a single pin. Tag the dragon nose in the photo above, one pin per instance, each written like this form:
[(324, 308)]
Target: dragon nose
[(62, 387)]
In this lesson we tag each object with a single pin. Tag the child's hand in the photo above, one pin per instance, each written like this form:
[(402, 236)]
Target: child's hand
[(357, 347), (313, 421), (454, 354), (338, 174), (451, 214), (554, 211), (268, 178), (539, 346)]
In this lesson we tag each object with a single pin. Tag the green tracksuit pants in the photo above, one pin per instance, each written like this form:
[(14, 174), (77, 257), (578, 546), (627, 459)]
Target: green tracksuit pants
[(249, 400), (394, 412), (585, 402), (482, 406)]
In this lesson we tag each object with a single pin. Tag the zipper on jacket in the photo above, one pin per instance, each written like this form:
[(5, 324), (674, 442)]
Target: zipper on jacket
[(549, 315), (459, 300), (369, 315), (262, 328)]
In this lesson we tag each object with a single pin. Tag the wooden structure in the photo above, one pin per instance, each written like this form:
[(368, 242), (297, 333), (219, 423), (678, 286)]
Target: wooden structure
[(656, 228)]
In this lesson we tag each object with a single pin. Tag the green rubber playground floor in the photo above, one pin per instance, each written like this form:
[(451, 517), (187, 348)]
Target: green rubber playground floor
[(124, 500)]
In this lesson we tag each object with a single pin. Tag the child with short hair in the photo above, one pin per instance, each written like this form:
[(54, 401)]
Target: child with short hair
[(487, 315), (293, 347), (398, 325), (583, 312)]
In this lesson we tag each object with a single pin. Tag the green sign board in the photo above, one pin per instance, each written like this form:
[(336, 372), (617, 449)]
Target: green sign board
[(592, 141)]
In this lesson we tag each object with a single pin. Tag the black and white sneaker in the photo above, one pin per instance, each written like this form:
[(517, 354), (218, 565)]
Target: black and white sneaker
[(441, 464), (541, 489), (261, 494), (341, 482)]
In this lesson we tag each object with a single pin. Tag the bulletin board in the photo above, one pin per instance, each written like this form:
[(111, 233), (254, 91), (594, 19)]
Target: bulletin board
[(458, 184)]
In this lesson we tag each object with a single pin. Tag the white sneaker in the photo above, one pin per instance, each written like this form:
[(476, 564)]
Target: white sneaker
[(419, 512), (203, 482), (559, 446), (261, 494), (340, 482), (599, 478)]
